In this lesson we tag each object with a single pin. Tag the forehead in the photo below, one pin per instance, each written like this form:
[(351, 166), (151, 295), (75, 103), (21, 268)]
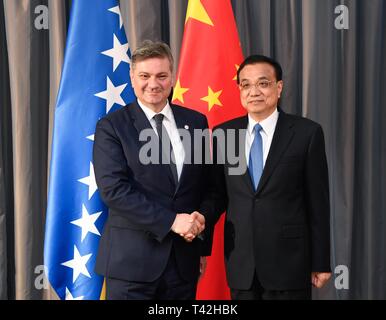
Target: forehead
[(259, 70), (153, 65)]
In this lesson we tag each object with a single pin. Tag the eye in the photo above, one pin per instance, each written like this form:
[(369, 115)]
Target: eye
[(263, 84), (245, 86), (143, 76), (162, 77)]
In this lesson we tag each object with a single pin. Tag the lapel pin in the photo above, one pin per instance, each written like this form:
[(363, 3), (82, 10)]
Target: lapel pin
[(186, 127)]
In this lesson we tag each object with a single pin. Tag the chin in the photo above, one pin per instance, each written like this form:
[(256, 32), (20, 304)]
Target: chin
[(154, 100), (257, 109)]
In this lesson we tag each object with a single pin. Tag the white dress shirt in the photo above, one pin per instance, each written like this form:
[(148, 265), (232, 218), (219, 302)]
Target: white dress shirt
[(171, 128), (268, 129)]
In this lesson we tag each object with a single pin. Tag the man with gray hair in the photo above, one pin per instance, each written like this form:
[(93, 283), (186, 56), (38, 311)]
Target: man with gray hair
[(150, 247)]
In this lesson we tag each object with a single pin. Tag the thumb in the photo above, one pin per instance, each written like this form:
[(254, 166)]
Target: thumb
[(194, 215)]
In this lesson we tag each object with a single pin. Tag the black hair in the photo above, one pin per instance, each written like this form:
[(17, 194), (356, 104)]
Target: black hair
[(256, 58)]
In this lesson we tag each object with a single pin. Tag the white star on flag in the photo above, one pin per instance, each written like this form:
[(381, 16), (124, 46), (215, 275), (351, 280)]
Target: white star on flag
[(78, 264), (69, 296), (112, 94), (118, 12), (90, 137), (87, 222), (118, 52), (90, 181)]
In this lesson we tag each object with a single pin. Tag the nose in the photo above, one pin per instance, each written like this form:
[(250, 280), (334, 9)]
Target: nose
[(152, 82), (255, 90)]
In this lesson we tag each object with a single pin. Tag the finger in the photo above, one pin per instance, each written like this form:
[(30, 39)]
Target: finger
[(189, 239), (199, 222), (198, 225), (313, 281), (194, 229), (322, 282), (198, 216), (193, 216)]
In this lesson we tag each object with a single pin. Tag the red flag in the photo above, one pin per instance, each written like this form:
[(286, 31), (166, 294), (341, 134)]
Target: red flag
[(206, 81)]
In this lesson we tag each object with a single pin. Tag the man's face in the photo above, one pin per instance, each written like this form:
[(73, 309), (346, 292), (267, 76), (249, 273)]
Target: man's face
[(259, 90), (152, 82)]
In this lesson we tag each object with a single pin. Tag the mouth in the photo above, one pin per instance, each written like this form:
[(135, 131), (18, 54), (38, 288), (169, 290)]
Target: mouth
[(255, 101), (153, 92)]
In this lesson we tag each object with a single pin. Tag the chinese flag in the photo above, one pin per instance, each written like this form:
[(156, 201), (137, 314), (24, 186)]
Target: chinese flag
[(206, 81)]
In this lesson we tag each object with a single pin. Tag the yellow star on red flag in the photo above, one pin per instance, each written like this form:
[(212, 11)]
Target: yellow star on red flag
[(197, 11), (237, 68), (209, 51), (178, 92), (212, 98)]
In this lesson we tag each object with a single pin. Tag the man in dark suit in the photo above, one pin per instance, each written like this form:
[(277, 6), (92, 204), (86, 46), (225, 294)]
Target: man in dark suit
[(277, 239), (149, 248)]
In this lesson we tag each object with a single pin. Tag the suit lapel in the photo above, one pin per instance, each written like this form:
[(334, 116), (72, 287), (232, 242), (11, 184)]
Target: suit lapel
[(281, 139), (141, 122), (239, 142), (241, 131), (139, 118), (183, 123)]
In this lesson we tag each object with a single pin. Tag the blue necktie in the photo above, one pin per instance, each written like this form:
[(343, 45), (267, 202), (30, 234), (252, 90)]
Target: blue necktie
[(255, 164)]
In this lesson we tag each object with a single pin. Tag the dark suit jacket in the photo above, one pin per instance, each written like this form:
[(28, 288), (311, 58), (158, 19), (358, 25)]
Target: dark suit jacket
[(282, 229), (143, 199)]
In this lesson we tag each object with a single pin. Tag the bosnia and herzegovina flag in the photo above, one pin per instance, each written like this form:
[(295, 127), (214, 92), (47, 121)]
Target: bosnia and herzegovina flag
[(95, 80)]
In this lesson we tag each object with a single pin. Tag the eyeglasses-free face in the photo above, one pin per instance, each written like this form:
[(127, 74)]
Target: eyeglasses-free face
[(152, 81)]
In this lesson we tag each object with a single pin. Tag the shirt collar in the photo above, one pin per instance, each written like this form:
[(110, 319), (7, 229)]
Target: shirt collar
[(268, 124), (166, 111)]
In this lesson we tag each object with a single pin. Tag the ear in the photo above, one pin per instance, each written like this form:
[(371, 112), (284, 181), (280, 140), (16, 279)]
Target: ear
[(173, 79), (131, 76), (280, 85)]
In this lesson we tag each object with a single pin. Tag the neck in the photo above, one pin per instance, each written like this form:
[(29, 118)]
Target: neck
[(258, 117), (156, 108)]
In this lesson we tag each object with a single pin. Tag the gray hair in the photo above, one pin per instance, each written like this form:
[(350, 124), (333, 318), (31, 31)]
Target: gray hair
[(152, 49)]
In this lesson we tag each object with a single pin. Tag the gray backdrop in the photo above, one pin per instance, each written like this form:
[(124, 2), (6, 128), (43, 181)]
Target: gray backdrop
[(335, 77)]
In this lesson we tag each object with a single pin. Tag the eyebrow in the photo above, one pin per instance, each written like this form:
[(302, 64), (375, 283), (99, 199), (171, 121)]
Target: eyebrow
[(260, 78), (157, 74)]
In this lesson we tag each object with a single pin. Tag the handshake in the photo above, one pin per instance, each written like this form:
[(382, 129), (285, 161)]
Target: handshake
[(189, 226)]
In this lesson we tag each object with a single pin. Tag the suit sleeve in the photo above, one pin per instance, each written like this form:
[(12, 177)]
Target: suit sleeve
[(115, 185), (215, 199), (318, 202)]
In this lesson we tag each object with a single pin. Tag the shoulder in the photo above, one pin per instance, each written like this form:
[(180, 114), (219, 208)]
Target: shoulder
[(299, 121), (187, 112), (236, 123), (193, 117), (116, 117), (303, 126)]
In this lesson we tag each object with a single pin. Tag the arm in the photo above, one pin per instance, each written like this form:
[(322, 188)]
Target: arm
[(215, 198), (318, 202)]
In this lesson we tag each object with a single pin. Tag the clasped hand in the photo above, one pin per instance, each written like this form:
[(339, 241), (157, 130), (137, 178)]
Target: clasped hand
[(189, 226)]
